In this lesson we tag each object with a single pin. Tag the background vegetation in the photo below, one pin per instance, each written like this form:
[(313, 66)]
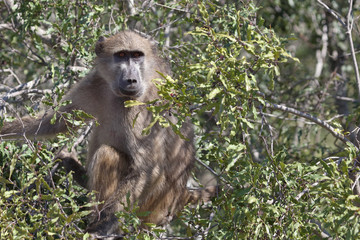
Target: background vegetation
[(271, 86)]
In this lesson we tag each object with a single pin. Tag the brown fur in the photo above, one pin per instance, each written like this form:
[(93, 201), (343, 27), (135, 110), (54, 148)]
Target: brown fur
[(153, 169)]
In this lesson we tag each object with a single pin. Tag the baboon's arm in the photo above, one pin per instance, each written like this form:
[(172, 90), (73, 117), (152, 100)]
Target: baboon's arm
[(37, 126), (81, 97)]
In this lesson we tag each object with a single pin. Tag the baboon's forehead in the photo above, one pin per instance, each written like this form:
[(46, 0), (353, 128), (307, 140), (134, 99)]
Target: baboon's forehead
[(129, 41)]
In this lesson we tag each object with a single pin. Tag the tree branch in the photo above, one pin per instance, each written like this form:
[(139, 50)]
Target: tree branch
[(349, 26), (332, 12), (314, 119), (26, 86)]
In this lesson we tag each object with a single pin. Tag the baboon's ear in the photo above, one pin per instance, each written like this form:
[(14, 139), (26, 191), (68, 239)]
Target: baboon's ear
[(99, 46)]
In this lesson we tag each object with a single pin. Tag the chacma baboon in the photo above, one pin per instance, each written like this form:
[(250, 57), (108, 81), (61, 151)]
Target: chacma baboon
[(152, 170)]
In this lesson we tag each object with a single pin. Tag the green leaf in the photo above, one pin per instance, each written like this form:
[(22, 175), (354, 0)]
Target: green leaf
[(328, 169), (232, 163), (12, 166), (213, 93), (135, 118), (247, 83), (132, 103), (46, 197), (53, 119), (249, 124), (86, 236), (3, 180), (252, 199), (146, 131), (277, 71), (210, 74), (8, 194)]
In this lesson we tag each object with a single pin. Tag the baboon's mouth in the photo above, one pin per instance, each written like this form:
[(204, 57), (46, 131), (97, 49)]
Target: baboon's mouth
[(130, 92)]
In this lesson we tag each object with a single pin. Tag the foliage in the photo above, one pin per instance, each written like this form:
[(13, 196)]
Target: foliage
[(34, 206), (280, 176)]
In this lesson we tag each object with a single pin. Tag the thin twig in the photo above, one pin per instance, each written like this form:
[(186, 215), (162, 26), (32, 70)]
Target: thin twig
[(208, 168), (28, 91), (83, 135), (300, 120), (11, 73), (306, 190), (172, 8)]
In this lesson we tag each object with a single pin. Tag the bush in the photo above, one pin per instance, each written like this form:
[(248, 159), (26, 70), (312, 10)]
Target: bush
[(279, 178)]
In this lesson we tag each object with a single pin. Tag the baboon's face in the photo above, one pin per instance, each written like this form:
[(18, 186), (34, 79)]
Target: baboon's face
[(122, 60), (128, 67)]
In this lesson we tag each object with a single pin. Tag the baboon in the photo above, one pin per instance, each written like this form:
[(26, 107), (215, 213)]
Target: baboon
[(152, 170)]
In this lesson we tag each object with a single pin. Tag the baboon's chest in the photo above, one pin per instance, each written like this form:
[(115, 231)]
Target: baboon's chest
[(125, 135)]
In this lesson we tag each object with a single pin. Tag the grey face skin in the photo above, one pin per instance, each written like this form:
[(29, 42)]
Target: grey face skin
[(130, 66)]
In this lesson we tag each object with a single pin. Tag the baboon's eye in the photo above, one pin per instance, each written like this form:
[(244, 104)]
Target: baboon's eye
[(137, 54), (120, 54)]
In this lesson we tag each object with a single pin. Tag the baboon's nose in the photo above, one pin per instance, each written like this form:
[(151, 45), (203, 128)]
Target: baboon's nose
[(131, 81)]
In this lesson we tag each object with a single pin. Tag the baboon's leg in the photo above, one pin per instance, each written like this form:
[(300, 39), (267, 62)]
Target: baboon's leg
[(109, 178), (106, 172)]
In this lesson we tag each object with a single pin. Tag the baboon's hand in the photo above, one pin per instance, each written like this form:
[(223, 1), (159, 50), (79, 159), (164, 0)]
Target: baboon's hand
[(70, 162)]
